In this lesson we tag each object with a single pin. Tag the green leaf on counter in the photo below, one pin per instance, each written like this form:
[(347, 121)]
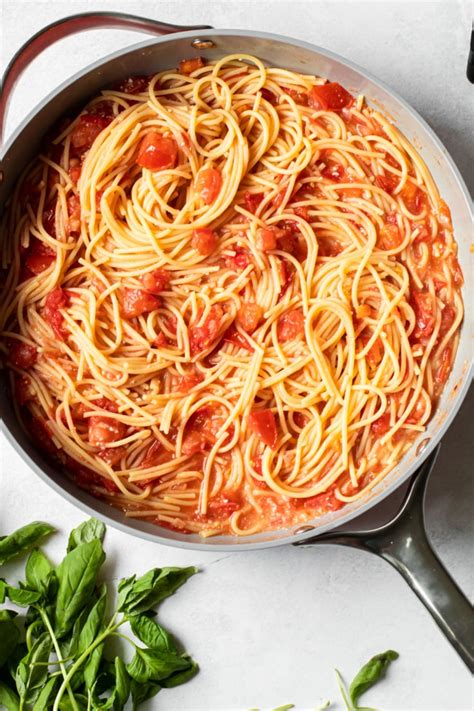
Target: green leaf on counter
[(86, 532), (22, 539)]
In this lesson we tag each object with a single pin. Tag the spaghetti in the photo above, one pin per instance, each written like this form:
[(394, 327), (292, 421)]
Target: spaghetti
[(232, 296)]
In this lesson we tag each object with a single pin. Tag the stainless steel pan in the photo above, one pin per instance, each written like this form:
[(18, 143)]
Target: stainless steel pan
[(403, 542)]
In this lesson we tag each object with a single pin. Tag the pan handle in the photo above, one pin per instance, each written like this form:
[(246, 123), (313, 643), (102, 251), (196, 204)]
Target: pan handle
[(69, 26), (403, 542)]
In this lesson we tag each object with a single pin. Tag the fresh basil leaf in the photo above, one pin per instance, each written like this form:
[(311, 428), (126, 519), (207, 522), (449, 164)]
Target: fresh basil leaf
[(181, 677), (37, 571), (118, 682), (122, 684), (370, 674), (32, 673), (3, 587), (47, 694), (93, 622), (153, 587), (151, 633), (91, 669), (152, 665), (81, 703), (68, 644), (22, 596), (9, 635), (144, 691), (21, 540), (87, 531), (124, 587), (77, 575), (15, 658), (8, 699)]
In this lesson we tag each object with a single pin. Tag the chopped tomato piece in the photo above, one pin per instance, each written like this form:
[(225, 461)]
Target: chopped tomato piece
[(387, 182), (290, 325), (334, 171), (156, 281), (112, 455), (381, 425), (201, 430), (209, 184), (329, 97), (188, 381), (266, 238), (202, 337), (157, 152), (375, 352), (104, 403), (239, 261), (237, 339), (299, 97), (86, 131), (327, 501), (263, 423), (22, 355), (38, 256), (269, 96), (75, 169), (153, 454), (252, 201), (287, 271), (248, 316), (194, 442), (56, 300), (188, 66), (443, 367), (136, 302), (389, 237), (104, 430), (413, 197), (422, 304), (303, 212), (160, 340), (74, 212), (204, 241), (134, 85), (448, 315), (300, 420)]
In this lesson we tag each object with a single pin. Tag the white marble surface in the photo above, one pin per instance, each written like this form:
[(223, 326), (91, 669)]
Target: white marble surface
[(268, 627)]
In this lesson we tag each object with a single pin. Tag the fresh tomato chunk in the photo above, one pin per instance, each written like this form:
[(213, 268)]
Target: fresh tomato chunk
[(387, 182), (448, 315), (237, 339), (195, 442), (417, 412), (381, 425), (299, 97), (188, 381), (112, 455), (136, 302), (422, 304), (188, 66), (248, 316), (204, 241), (329, 97), (74, 171), (22, 355), (269, 96), (38, 256), (238, 261), (153, 454), (223, 506), (157, 152), (156, 281), (389, 237), (202, 337), (266, 238), (104, 430), (86, 131), (290, 325), (413, 197), (334, 171), (56, 300), (263, 423), (209, 184), (252, 201)]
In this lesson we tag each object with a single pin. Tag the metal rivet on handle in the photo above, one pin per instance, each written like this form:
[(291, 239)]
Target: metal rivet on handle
[(202, 44), (303, 529), (422, 445)]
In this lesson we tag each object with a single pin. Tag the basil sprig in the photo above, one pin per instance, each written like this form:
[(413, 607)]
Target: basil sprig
[(57, 658)]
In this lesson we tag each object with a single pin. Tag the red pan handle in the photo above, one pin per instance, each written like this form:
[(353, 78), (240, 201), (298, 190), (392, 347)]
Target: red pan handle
[(69, 26)]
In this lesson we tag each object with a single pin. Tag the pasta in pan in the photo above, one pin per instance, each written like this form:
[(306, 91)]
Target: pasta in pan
[(232, 296)]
